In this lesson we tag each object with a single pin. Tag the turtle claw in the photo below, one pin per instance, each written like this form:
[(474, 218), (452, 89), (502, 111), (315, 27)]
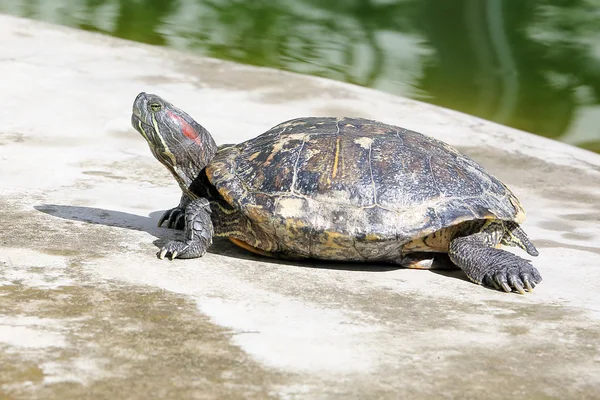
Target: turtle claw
[(177, 249), (528, 285), (521, 277), (179, 221), (489, 280), (162, 253), (498, 269), (161, 220), (194, 219), (505, 286), (164, 217), (174, 218), (519, 288), (517, 283)]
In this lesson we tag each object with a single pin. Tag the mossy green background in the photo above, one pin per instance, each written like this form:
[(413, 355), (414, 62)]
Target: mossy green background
[(533, 65)]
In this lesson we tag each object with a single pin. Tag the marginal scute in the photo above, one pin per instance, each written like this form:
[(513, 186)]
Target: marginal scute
[(520, 211), (325, 187)]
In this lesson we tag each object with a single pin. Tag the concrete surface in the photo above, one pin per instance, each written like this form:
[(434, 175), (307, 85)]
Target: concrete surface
[(88, 311)]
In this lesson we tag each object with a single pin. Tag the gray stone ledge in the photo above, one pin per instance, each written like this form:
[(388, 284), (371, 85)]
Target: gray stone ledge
[(88, 311)]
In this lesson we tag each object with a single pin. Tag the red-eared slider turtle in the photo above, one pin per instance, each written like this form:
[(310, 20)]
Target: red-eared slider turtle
[(338, 189)]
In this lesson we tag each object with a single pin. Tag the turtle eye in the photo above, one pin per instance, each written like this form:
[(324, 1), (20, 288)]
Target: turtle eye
[(155, 107)]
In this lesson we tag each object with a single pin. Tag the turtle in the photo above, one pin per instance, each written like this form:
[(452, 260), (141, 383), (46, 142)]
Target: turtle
[(332, 188)]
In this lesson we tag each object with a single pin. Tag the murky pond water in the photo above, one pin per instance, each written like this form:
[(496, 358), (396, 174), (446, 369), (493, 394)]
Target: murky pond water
[(533, 65)]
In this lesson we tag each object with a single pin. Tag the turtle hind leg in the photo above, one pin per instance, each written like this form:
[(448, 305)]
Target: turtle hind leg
[(516, 237), (484, 264)]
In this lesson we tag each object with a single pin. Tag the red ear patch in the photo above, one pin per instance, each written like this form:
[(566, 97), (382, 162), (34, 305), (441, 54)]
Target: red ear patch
[(187, 129)]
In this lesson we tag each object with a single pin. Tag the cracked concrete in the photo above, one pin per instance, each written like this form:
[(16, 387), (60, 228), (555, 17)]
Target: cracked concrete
[(88, 311)]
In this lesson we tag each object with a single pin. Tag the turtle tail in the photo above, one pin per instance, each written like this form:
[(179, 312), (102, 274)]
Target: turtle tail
[(515, 236)]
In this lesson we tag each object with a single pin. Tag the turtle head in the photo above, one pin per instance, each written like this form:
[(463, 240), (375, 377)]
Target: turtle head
[(176, 140)]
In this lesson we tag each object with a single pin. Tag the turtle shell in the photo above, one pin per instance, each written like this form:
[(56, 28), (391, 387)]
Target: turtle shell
[(325, 186)]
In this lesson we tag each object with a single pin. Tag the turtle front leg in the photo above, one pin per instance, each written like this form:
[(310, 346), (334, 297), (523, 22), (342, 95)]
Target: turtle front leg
[(491, 266), (198, 232)]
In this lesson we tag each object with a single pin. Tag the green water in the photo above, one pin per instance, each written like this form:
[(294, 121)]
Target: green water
[(530, 64)]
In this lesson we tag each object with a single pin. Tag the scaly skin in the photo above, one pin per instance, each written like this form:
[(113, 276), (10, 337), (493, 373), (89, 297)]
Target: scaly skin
[(198, 232), (483, 264), (515, 236)]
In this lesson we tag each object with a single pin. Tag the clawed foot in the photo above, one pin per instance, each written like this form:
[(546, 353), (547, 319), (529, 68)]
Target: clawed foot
[(178, 249), (175, 218), (194, 218), (493, 267), (514, 273)]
